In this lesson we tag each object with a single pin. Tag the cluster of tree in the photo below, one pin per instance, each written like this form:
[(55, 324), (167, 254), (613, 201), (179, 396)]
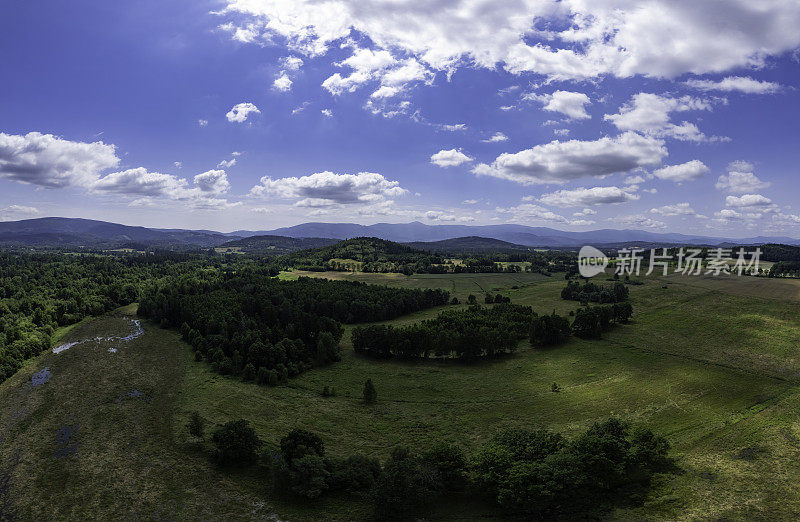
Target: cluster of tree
[(463, 334), (595, 293), (258, 327), (44, 291), (527, 474), (589, 323), (785, 269)]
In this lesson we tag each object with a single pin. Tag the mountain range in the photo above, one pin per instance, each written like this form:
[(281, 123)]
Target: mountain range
[(57, 232)]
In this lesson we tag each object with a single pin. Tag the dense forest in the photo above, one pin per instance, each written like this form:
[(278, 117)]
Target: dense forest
[(258, 327), (41, 292)]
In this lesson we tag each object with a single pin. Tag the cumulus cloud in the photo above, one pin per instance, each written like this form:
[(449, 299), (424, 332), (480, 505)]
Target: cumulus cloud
[(650, 114), (326, 112), (496, 138), (212, 182), (49, 161), (736, 84), (589, 196), (748, 200), (678, 209), (435, 215), (282, 83), (449, 158), (328, 189), (527, 212), (740, 179), (241, 111), (226, 164), (688, 171), (202, 123), (638, 220), (559, 162), (18, 210), (571, 104), (569, 39)]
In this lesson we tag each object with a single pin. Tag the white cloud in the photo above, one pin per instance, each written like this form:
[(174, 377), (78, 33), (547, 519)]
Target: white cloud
[(736, 83), (496, 138), (634, 180), (571, 104), (449, 158), (178, 164), (454, 127), (740, 179), (678, 209), (589, 196), (241, 111), (748, 200), (650, 114), (561, 132), (202, 123), (282, 83), (435, 215), (226, 164), (20, 209), (326, 112), (49, 161), (328, 189), (469, 202), (263, 210), (527, 212), (688, 171), (639, 220), (559, 162), (584, 40), (213, 181), (292, 63)]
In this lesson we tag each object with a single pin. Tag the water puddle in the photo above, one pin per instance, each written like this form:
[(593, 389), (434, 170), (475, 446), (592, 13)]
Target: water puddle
[(137, 332), (65, 441), (41, 377)]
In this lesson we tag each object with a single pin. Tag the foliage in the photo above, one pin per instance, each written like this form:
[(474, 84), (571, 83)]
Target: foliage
[(594, 293), (549, 330), (370, 393), (236, 443), (196, 425), (252, 325), (463, 334)]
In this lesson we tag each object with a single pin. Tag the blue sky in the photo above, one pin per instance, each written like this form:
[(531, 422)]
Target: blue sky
[(665, 116)]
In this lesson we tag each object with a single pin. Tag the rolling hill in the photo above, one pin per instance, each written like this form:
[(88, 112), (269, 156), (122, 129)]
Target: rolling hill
[(277, 244)]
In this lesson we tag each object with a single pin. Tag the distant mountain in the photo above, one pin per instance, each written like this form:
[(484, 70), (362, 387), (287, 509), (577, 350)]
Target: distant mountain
[(72, 233), (54, 232), (469, 244), (277, 244), (511, 233)]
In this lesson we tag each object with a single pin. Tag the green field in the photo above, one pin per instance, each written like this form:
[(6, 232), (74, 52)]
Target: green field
[(712, 364)]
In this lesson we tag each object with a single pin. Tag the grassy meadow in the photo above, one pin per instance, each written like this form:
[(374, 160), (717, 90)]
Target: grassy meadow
[(711, 363)]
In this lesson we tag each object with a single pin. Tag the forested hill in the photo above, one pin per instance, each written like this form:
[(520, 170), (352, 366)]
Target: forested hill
[(277, 244), (468, 245)]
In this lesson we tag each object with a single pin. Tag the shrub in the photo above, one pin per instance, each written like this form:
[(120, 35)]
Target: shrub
[(370, 393), (236, 443), (400, 491), (196, 425), (299, 443)]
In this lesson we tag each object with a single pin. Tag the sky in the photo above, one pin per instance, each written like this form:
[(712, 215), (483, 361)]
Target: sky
[(665, 115)]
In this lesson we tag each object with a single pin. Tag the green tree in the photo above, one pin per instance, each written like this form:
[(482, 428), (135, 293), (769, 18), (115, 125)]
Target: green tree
[(370, 393), (236, 443), (196, 425)]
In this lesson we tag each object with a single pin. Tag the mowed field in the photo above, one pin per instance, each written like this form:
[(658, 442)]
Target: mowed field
[(712, 364)]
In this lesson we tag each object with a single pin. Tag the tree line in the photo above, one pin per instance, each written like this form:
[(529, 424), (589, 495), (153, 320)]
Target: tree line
[(588, 291), (524, 473), (461, 334)]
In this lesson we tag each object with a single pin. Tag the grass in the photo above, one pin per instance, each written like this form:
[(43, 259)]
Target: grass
[(711, 363)]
